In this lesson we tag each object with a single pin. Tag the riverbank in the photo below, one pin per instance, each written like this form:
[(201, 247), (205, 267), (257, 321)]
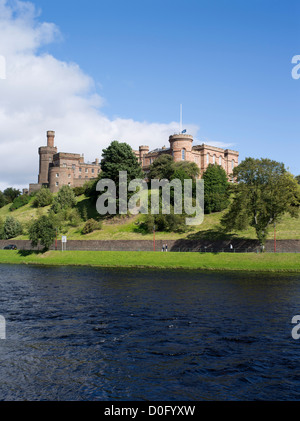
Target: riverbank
[(267, 262)]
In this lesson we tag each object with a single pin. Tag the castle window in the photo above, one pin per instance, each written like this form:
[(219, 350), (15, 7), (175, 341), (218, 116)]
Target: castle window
[(69, 175), (207, 158), (57, 184), (64, 165), (220, 160), (69, 184), (214, 159), (73, 167), (183, 154), (93, 171), (79, 169), (57, 175), (86, 170)]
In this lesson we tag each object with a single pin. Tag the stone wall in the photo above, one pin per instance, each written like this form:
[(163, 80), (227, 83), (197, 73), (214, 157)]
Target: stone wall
[(288, 246)]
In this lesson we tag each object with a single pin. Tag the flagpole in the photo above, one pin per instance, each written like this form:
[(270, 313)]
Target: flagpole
[(180, 118)]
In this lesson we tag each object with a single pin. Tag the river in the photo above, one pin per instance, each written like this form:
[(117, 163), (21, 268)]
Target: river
[(106, 334)]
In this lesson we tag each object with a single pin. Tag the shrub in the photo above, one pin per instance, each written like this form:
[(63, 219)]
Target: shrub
[(90, 226), (78, 191), (11, 228), (3, 201), (43, 198), (42, 230), (65, 199), (19, 202)]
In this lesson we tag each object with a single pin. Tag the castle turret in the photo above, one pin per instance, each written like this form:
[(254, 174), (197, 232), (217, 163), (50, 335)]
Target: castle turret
[(46, 158), (143, 150), (181, 147)]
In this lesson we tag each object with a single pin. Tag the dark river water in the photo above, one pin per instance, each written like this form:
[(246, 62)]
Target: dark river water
[(94, 334)]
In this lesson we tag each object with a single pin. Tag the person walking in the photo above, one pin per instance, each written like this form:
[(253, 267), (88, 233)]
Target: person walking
[(163, 248), (166, 247)]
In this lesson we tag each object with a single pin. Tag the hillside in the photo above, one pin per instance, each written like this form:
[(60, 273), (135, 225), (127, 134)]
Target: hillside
[(128, 228)]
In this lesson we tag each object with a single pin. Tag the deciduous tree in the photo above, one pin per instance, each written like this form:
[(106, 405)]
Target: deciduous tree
[(264, 191)]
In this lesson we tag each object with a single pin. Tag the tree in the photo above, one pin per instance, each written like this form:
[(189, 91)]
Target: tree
[(116, 158), (43, 198), (11, 228), (298, 179), (11, 194), (191, 169), (3, 201), (120, 157), (19, 202), (216, 189), (65, 199), (42, 231), (263, 193), (161, 168)]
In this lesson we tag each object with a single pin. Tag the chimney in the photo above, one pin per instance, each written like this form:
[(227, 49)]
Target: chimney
[(50, 139)]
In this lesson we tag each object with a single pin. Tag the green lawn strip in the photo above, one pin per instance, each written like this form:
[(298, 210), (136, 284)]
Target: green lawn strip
[(267, 262)]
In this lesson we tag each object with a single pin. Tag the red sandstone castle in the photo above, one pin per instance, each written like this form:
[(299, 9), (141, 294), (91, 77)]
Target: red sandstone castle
[(57, 169)]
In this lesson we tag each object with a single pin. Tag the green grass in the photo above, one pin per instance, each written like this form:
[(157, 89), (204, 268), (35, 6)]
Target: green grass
[(268, 262), (127, 228)]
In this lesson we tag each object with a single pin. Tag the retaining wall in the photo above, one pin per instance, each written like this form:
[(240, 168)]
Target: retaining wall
[(239, 245)]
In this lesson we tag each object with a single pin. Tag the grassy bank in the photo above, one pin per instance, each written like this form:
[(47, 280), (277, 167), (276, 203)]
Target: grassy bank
[(128, 228), (267, 262)]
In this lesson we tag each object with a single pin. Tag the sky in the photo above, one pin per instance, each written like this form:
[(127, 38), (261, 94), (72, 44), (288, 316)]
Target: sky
[(95, 71)]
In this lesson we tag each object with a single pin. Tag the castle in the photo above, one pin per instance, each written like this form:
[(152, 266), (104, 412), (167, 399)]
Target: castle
[(57, 169)]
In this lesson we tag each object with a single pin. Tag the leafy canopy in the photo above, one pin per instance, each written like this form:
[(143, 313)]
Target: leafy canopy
[(42, 231), (265, 190), (216, 189)]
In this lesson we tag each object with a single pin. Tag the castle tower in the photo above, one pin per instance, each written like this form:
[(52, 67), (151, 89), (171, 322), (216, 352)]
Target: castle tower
[(46, 158), (181, 147), (143, 150)]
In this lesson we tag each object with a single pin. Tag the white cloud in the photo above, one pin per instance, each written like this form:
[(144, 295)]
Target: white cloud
[(42, 93)]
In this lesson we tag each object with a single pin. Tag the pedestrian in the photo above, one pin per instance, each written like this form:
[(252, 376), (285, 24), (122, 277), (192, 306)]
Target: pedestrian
[(231, 247), (163, 248), (166, 247)]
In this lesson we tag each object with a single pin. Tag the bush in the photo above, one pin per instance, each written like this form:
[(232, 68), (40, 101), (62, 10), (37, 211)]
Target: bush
[(19, 202), (11, 228), (43, 198), (164, 223), (3, 201), (78, 191), (90, 226), (42, 230), (65, 199)]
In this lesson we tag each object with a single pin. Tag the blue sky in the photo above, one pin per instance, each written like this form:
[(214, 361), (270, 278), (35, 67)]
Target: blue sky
[(227, 61)]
